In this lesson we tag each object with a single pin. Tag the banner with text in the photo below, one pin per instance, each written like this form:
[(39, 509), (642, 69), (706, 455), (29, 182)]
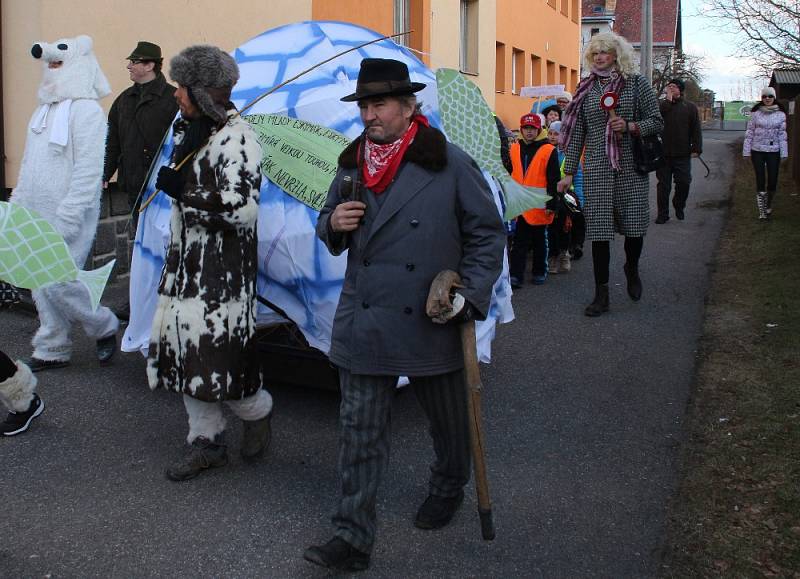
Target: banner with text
[(299, 157)]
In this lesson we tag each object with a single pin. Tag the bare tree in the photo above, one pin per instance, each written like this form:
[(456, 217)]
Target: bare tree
[(771, 28), (676, 64)]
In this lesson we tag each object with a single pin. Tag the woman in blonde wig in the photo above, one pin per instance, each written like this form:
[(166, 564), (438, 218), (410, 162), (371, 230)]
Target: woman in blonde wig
[(616, 196)]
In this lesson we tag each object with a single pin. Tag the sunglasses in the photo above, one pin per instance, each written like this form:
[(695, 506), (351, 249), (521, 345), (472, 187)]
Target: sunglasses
[(138, 61), (767, 96)]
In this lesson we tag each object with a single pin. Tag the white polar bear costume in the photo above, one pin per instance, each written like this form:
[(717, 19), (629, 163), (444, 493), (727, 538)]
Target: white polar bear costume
[(60, 178)]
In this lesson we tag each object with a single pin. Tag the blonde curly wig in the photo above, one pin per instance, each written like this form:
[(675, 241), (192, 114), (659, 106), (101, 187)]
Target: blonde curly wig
[(616, 44)]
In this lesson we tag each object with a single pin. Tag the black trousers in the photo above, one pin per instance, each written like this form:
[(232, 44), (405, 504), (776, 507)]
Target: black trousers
[(528, 237), (766, 166), (558, 240), (678, 169)]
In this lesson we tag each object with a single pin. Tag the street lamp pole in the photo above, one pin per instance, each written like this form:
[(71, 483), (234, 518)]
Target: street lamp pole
[(646, 64)]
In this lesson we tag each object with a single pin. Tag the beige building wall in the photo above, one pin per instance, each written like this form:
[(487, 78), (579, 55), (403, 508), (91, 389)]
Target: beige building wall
[(446, 41), (116, 26)]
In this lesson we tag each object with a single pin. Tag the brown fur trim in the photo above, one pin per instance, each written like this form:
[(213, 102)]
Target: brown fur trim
[(428, 150)]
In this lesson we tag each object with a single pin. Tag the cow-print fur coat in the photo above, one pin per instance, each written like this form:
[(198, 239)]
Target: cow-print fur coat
[(202, 338)]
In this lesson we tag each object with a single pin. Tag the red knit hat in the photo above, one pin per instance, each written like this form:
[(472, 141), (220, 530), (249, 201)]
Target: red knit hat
[(530, 120)]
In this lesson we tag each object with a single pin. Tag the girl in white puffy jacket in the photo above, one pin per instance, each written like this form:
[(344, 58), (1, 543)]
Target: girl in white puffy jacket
[(765, 143)]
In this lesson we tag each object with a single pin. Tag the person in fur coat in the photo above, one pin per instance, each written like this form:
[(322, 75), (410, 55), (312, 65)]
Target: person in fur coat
[(18, 395), (202, 337), (60, 179)]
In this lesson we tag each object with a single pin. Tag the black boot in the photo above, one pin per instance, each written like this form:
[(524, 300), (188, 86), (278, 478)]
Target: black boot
[(600, 303), (634, 282), (337, 554)]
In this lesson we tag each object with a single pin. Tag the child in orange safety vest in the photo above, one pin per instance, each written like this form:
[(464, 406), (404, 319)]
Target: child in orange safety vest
[(534, 163)]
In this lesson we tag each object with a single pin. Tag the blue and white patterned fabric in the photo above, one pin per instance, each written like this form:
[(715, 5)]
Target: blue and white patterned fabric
[(296, 271)]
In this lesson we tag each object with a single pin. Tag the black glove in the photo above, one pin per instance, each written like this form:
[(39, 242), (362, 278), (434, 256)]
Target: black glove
[(170, 182), (554, 204)]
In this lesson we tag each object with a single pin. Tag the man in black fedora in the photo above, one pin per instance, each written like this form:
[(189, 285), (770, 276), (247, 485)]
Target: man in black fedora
[(406, 204), (138, 120)]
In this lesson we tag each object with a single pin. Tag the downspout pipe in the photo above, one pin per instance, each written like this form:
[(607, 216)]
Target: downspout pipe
[(3, 191)]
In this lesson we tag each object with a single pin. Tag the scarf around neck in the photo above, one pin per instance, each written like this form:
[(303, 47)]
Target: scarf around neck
[(617, 85), (769, 108), (381, 161)]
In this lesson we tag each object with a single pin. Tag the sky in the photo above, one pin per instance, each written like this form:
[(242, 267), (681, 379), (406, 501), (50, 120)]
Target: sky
[(731, 78)]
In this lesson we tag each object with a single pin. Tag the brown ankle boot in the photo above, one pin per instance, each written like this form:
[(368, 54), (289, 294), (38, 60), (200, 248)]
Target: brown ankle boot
[(600, 303)]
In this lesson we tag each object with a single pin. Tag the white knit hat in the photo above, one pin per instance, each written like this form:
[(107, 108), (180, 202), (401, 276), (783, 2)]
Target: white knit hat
[(768, 91)]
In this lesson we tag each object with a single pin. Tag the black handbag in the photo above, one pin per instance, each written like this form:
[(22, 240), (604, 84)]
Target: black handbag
[(648, 152)]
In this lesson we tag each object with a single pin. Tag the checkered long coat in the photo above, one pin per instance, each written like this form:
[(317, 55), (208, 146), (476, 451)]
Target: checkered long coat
[(616, 201)]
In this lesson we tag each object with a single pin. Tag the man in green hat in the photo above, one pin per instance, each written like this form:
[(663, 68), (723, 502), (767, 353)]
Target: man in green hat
[(138, 120)]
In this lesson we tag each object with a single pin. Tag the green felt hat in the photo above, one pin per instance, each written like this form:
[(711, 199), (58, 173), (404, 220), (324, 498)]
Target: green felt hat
[(146, 51)]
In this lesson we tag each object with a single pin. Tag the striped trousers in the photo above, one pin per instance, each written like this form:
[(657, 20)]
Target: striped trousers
[(364, 440)]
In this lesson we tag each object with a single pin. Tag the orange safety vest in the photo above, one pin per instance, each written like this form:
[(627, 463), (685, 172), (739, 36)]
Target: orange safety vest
[(535, 176)]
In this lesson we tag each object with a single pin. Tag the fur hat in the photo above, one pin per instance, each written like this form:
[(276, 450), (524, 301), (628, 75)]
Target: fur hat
[(210, 74), (767, 91), (566, 95), (555, 127)]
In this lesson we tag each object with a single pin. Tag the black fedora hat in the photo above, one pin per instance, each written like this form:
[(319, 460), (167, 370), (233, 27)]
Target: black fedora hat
[(383, 77)]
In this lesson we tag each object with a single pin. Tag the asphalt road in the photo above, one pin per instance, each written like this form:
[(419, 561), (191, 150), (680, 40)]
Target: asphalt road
[(583, 421)]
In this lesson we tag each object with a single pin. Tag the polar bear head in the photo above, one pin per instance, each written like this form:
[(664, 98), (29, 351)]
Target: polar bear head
[(70, 70)]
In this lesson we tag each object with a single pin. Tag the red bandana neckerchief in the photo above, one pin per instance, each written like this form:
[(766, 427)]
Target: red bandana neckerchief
[(381, 161)]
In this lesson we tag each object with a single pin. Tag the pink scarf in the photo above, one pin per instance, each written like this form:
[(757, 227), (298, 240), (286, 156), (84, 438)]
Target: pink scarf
[(613, 139)]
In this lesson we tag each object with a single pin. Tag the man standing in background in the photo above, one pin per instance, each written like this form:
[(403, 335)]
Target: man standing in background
[(683, 139), (138, 120)]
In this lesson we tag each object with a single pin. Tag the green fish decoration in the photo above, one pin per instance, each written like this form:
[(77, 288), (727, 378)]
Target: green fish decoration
[(34, 255), (469, 123), (298, 156)]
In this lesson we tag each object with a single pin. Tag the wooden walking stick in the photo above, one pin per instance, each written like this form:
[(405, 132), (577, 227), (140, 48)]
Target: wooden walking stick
[(474, 387), (438, 305)]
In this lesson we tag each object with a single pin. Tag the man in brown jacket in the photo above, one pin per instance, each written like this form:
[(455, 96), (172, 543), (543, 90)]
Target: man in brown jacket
[(138, 120)]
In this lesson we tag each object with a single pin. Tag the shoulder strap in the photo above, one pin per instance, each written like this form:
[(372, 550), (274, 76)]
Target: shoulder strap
[(636, 111)]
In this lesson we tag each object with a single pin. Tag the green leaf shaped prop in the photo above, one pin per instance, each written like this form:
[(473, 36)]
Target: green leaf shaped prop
[(299, 157), (469, 123), (33, 254)]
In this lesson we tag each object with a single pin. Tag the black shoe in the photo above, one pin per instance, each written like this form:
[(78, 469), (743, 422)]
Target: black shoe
[(600, 303), (18, 422), (437, 511), (106, 347), (679, 214), (201, 455), (256, 437), (577, 252), (634, 282), (515, 283), (337, 554), (37, 365), (661, 219)]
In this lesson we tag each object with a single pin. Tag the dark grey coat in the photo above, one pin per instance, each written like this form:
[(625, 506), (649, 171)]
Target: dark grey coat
[(437, 214)]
